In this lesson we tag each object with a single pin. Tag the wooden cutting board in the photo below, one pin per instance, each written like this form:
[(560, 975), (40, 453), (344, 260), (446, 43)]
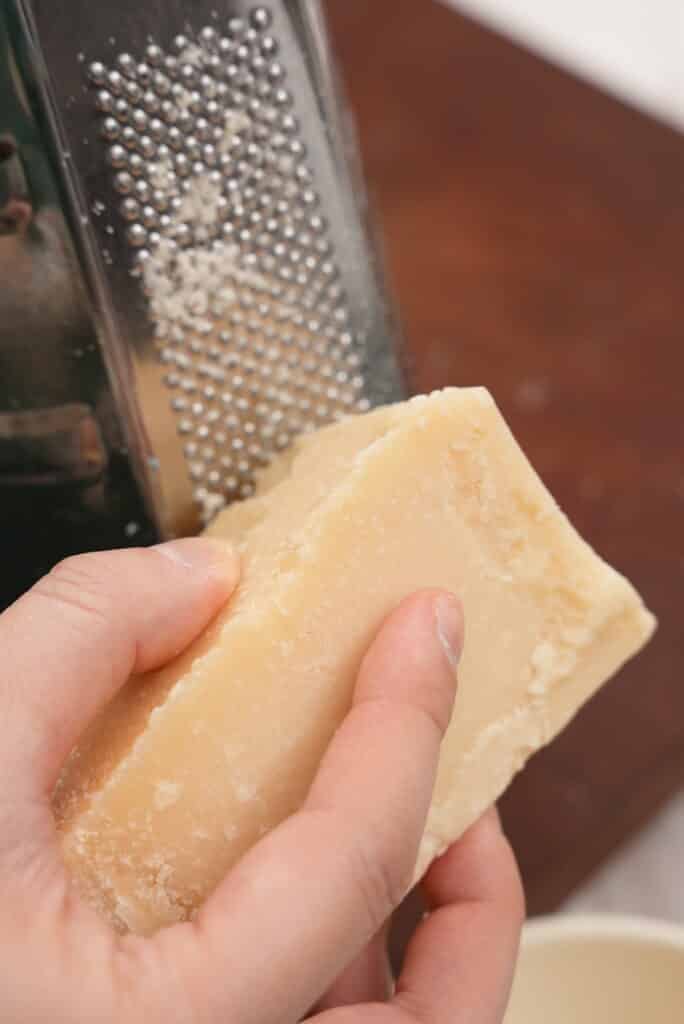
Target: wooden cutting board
[(535, 234)]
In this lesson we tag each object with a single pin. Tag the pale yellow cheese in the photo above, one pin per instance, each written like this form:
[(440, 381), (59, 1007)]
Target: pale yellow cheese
[(191, 765)]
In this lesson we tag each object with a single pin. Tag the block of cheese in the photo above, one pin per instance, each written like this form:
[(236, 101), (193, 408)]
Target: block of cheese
[(189, 766)]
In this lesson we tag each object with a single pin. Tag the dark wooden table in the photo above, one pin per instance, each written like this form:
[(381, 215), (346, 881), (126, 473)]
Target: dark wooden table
[(535, 234)]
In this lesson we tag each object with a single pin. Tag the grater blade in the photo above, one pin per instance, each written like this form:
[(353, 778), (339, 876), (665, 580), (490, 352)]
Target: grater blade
[(221, 221)]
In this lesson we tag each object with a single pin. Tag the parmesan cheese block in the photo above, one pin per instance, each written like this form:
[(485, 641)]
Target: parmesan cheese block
[(190, 765)]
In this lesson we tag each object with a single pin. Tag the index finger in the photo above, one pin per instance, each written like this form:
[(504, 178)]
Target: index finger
[(308, 898), (79, 633)]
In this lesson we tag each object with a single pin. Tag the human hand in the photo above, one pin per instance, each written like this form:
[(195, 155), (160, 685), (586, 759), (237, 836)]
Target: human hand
[(305, 903)]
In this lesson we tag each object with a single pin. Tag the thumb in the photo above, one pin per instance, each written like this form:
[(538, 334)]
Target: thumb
[(73, 640)]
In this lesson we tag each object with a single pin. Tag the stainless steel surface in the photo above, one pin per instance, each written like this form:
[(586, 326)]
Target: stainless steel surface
[(210, 243), (66, 479), (42, 448)]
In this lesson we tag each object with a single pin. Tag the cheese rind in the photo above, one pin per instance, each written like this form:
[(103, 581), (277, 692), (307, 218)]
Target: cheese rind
[(189, 766)]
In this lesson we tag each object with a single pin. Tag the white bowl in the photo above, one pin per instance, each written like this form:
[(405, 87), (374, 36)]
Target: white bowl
[(602, 969)]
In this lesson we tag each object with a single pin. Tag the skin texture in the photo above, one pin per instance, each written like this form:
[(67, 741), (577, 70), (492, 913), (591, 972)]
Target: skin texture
[(301, 921)]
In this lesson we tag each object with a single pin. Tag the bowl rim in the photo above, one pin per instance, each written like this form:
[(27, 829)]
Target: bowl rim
[(557, 928)]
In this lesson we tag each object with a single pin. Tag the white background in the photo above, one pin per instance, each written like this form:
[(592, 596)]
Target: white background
[(635, 48)]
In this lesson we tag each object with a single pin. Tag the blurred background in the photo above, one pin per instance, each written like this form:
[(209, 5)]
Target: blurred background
[(527, 164), (630, 47)]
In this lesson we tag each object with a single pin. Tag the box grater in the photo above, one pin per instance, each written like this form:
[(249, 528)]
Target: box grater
[(187, 277)]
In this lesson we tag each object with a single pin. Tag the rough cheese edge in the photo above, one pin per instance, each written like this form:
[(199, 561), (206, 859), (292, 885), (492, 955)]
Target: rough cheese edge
[(435, 841)]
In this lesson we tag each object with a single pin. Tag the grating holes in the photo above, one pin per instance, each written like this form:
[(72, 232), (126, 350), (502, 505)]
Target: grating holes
[(219, 199)]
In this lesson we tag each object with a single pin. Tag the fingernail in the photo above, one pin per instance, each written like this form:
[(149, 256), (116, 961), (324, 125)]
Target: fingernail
[(449, 618), (202, 554)]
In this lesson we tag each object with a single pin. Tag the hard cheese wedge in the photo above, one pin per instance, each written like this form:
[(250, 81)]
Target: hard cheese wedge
[(191, 765)]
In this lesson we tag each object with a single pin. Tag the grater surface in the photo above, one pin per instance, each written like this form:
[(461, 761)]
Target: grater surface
[(222, 219)]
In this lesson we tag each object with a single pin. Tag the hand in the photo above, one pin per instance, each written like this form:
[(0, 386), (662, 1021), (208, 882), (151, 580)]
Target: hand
[(304, 904)]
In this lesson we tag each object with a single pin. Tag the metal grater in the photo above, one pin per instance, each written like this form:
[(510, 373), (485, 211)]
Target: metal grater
[(187, 173)]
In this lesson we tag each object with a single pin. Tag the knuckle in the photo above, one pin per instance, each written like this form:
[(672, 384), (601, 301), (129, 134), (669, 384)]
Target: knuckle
[(411, 1009), (155, 982), (437, 703), (79, 586), (381, 883)]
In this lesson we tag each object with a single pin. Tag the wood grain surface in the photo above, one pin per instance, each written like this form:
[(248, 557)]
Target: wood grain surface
[(535, 235)]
